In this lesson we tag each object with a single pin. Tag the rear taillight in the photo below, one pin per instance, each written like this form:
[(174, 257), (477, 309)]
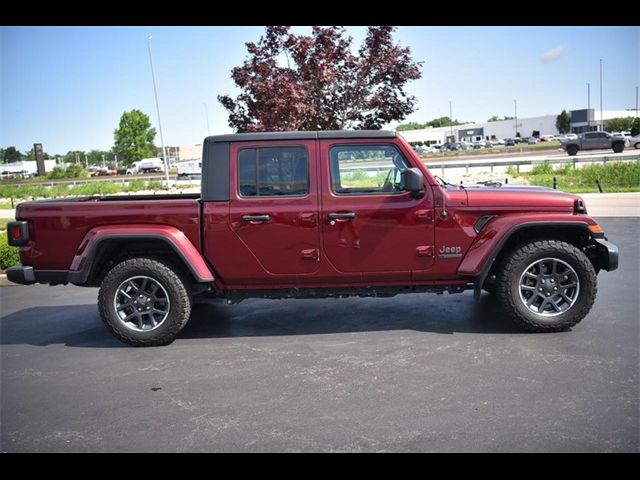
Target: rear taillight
[(17, 233)]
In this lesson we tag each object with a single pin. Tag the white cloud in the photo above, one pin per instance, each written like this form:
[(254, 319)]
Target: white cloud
[(554, 54)]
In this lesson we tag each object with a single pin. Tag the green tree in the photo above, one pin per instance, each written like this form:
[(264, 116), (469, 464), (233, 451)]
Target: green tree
[(410, 126), (619, 124), (95, 156), (443, 122), (635, 127), (11, 154), (563, 122), (133, 139)]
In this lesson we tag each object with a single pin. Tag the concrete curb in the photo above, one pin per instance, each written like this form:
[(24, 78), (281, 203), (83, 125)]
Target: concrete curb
[(6, 283)]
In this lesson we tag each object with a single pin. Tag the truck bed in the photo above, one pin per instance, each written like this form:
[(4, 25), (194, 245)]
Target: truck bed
[(57, 227)]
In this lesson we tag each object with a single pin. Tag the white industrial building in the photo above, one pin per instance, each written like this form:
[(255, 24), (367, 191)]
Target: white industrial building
[(581, 120)]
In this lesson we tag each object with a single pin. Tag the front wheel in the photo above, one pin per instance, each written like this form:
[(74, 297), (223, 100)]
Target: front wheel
[(572, 150), (547, 286), (618, 147), (144, 302)]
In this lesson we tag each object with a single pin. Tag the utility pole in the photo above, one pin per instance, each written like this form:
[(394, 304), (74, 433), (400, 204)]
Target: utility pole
[(636, 101), (103, 164), (155, 93), (601, 120), (588, 107), (515, 106), (86, 162), (206, 114)]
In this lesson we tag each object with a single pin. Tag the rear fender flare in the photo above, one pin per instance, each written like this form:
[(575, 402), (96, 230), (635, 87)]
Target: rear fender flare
[(89, 247)]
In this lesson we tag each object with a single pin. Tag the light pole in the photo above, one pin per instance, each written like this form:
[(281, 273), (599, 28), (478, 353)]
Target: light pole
[(451, 121), (515, 106), (206, 114), (636, 101), (601, 121), (155, 94), (588, 107)]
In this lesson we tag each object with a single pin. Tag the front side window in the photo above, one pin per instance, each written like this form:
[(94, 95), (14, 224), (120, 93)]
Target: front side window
[(273, 171), (363, 169)]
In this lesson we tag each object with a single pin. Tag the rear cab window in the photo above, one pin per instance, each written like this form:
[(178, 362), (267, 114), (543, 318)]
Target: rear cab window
[(273, 171)]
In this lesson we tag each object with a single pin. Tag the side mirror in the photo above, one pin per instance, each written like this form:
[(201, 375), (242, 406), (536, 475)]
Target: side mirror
[(412, 180)]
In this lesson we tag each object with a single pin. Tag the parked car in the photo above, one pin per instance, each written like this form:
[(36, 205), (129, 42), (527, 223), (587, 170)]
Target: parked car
[(278, 218), (561, 138), (634, 142), (572, 136), (497, 141), (477, 145), (531, 140), (510, 142)]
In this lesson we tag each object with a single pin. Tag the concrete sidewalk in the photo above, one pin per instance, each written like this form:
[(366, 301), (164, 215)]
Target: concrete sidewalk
[(612, 204)]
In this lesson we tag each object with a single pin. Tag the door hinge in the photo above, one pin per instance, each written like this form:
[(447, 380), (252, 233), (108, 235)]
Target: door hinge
[(424, 251), (311, 254)]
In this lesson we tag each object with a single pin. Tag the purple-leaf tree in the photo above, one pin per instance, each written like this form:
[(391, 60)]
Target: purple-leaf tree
[(314, 82)]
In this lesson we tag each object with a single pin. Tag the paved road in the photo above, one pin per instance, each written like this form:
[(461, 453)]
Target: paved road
[(409, 373)]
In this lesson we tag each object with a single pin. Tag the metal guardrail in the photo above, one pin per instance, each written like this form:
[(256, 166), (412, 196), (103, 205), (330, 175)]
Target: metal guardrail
[(517, 163)]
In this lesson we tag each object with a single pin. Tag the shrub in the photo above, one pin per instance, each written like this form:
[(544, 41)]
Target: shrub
[(8, 255), (542, 168), (512, 171), (154, 185), (75, 171), (57, 172)]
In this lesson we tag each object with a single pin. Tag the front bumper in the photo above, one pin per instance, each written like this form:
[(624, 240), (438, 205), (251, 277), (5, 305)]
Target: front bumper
[(26, 275), (607, 255)]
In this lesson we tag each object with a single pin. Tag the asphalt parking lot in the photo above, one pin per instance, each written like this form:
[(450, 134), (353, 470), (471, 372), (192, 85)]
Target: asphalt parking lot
[(409, 373)]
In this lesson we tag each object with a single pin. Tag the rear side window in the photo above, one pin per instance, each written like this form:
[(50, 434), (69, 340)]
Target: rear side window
[(273, 171)]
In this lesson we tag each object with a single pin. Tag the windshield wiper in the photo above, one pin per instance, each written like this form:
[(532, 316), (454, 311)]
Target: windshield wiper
[(443, 181)]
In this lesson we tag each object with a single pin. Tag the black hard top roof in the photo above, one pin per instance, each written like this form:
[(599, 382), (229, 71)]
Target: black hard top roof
[(296, 135)]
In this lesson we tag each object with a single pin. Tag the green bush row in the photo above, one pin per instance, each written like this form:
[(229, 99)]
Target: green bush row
[(613, 176), (63, 190), (8, 255)]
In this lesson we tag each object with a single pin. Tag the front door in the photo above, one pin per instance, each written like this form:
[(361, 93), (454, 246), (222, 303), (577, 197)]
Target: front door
[(368, 224), (274, 209)]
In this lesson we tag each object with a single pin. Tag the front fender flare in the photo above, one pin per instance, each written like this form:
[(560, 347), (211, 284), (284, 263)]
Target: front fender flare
[(489, 243), (172, 236)]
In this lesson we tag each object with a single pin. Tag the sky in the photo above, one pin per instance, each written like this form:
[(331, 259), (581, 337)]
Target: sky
[(66, 87)]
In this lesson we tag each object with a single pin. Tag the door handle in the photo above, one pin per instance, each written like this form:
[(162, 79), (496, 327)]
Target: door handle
[(307, 218), (342, 216), (256, 218)]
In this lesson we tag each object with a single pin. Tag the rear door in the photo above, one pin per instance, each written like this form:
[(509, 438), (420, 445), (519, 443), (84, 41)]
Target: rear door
[(274, 205), (368, 224)]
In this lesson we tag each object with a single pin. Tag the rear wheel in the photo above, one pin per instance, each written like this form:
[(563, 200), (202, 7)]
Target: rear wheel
[(572, 150), (618, 147), (547, 286), (144, 302)]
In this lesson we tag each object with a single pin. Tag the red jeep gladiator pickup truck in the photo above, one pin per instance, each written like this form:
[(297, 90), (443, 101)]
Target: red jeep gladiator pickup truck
[(315, 214)]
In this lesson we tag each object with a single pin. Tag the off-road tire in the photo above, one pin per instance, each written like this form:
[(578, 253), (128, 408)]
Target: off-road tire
[(171, 280), (508, 285), (572, 150), (618, 147)]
